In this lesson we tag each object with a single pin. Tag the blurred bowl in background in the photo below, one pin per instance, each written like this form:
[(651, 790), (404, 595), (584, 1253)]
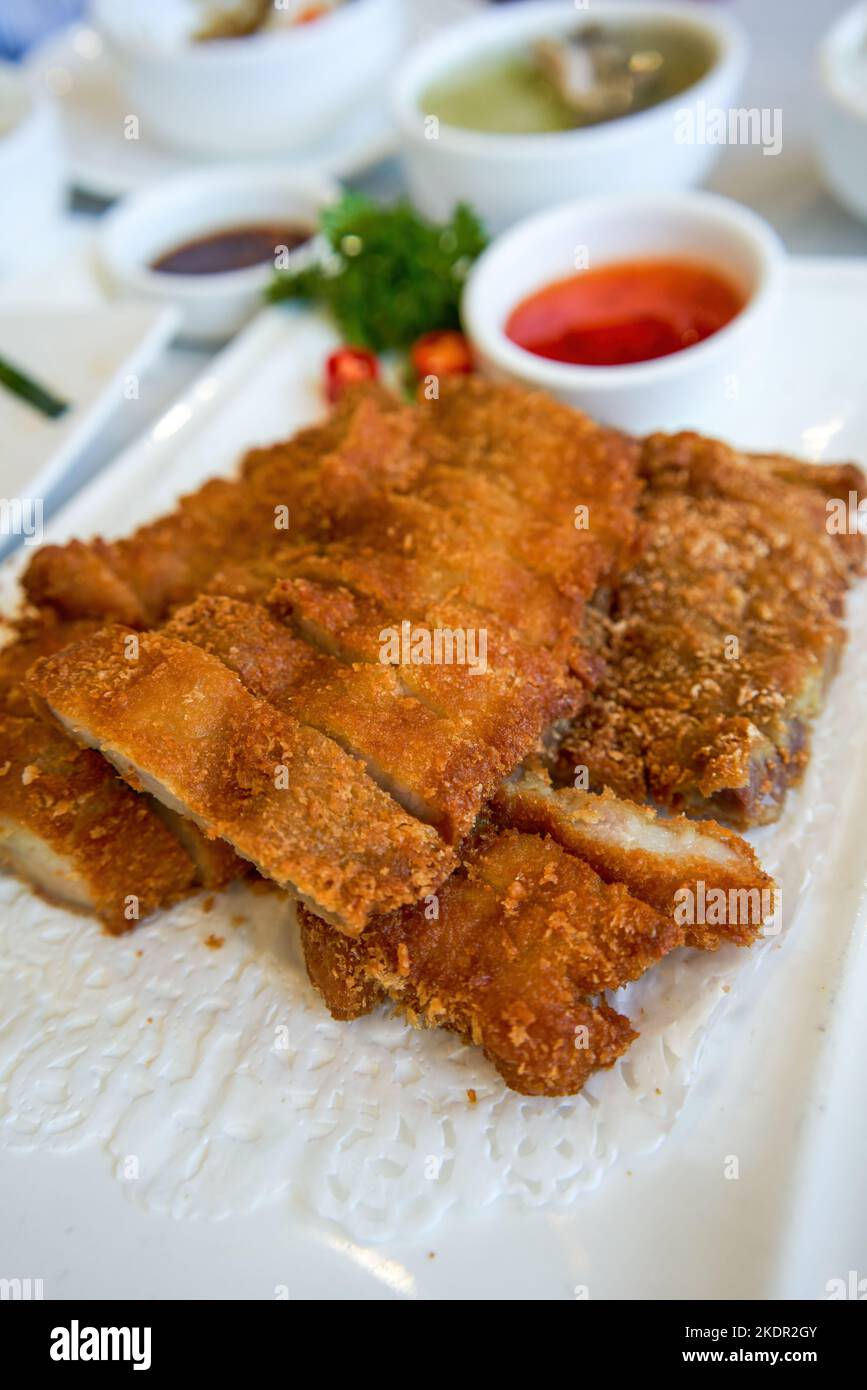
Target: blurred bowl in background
[(267, 94), (509, 176), (841, 129), (31, 168), (689, 388), (148, 225)]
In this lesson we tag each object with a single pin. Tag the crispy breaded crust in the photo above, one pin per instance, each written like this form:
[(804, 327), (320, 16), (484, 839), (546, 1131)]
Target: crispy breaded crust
[(523, 937), (659, 860), (317, 480), (472, 545), (520, 694), (423, 760), (509, 708), (724, 638), (416, 557), (551, 458), (176, 722), (71, 827), (33, 636), (43, 634), (797, 492), (216, 863)]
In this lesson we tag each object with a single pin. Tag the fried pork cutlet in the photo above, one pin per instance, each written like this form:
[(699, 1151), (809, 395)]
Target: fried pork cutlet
[(670, 863), (688, 464), (564, 896), (723, 639), (68, 825), (509, 706), (215, 862), (418, 557), (469, 556), (473, 533), (78, 587), (425, 761), (179, 724), (305, 488), (471, 552), (529, 479), (513, 955), (554, 461), (32, 637), (75, 832)]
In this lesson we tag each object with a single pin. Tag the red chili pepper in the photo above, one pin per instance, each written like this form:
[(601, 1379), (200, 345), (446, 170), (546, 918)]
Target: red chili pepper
[(444, 352), (346, 367)]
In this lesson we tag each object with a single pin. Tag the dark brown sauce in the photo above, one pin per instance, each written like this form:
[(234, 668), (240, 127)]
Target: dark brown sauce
[(234, 248)]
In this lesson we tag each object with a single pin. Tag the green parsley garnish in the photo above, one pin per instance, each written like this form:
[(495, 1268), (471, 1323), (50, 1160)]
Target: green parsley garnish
[(388, 275)]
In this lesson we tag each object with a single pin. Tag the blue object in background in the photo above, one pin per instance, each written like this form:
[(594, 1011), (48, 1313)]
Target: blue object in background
[(25, 22)]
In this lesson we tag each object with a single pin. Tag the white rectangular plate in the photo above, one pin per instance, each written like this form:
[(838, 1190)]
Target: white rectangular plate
[(151, 1078), (87, 357)]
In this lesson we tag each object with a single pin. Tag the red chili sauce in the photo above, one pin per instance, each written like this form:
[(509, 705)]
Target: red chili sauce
[(630, 311)]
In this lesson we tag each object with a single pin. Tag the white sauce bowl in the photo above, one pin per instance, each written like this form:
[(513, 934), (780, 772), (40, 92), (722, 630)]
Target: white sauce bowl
[(506, 177), (268, 93), (841, 129), (690, 388), (168, 214)]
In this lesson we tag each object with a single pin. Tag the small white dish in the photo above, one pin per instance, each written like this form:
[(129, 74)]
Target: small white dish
[(689, 387), (83, 78), (841, 127), (31, 167), (507, 177), (149, 224), (271, 93)]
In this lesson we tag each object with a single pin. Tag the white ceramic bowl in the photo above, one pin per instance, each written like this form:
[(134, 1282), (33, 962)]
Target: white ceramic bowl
[(148, 224), (31, 168), (511, 176), (841, 127), (270, 93), (687, 389)]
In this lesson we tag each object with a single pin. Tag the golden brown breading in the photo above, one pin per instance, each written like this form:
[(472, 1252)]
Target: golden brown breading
[(672, 863), (43, 634), (34, 636), (216, 863), (305, 488), (723, 639), (551, 459), (179, 724), (418, 557), (472, 534), (341, 469), (425, 761), (71, 828), (523, 939), (797, 492), (80, 859), (509, 707), (468, 552), (520, 496)]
